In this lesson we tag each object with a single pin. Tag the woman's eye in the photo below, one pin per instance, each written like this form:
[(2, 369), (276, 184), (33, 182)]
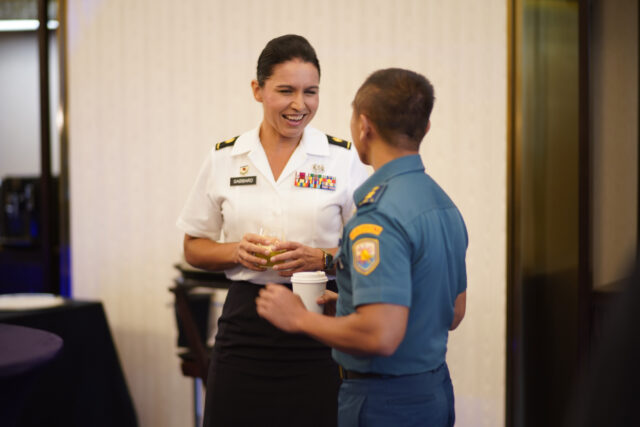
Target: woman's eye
[(285, 91), (311, 92)]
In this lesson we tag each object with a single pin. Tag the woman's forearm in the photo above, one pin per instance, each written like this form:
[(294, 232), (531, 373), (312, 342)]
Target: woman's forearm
[(209, 255)]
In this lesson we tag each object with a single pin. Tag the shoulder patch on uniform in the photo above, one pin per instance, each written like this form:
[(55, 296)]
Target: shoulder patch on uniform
[(228, 143), (337, 141), (373, 195), (366, 255), (365, 229)]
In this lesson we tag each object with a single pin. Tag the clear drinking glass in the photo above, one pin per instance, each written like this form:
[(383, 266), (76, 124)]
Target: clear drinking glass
[(275, 235)]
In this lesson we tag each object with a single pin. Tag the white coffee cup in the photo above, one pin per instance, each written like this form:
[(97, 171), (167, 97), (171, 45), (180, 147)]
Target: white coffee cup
[(310, 286)]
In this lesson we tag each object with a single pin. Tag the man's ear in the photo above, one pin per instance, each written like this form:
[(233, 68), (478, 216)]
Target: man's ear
[(366, 128), (257, 90)]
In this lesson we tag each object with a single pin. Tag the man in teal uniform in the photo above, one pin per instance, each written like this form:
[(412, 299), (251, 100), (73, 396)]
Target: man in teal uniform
[(400, 269)]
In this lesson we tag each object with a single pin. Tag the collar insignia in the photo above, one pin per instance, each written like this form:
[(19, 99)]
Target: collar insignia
[(339, 142), (373, 195), (228, 143)]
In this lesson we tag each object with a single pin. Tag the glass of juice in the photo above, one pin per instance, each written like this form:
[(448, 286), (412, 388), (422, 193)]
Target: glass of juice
[(275, 236)]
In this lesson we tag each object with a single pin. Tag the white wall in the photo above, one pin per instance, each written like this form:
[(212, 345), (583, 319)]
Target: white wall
[(154, 83)]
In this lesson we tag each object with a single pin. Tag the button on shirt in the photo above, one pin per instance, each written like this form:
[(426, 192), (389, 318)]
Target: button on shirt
[(406, 245), (235, 193)]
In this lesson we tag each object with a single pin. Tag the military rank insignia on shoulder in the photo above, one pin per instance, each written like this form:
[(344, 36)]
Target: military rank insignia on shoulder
[(372, 196), (228, 143), (340, 142)]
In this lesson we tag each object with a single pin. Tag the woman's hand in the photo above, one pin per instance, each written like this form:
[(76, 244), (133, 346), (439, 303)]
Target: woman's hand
[(297, 257), (329, 300), (250, 245)]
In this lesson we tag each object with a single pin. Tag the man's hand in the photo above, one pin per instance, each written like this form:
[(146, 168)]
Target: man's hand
[(329, 300), (281, 307)]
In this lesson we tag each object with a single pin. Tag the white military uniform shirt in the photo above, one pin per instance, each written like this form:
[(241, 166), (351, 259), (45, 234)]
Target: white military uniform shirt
[(235, 194)]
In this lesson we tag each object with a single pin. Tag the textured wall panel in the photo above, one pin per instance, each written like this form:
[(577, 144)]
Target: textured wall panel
[(153, 84)]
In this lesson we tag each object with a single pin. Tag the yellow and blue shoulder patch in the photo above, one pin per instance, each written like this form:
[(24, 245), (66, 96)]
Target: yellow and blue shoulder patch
[(340, 142), (373, 195), (366, 255), (228, 143)]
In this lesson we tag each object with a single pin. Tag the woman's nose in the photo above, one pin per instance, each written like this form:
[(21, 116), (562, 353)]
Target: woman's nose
[(298, 102)]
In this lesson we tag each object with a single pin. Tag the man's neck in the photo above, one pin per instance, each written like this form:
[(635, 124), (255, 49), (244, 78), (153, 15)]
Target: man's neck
[(382, 153)]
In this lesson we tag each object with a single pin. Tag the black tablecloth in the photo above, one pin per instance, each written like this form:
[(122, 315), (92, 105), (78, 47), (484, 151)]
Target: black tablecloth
[(84, 385)]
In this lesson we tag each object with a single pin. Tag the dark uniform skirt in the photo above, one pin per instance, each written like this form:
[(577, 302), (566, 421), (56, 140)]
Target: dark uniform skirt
[(262, 376)]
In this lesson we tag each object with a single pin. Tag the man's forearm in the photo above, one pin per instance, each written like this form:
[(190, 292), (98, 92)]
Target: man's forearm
[(375, 329)]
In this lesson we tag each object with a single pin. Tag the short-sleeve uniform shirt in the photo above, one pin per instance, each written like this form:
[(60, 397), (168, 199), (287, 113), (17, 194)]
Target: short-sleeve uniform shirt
[(406, 245), (235, 193)]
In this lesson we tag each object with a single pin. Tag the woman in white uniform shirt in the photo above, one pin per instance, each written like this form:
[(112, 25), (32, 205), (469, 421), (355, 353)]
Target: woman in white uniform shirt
[(287, 177)]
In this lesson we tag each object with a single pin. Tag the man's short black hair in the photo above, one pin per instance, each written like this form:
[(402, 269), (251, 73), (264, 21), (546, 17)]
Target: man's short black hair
[(398, 102)]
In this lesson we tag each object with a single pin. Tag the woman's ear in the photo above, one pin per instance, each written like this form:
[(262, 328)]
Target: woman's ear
[(257, 90)]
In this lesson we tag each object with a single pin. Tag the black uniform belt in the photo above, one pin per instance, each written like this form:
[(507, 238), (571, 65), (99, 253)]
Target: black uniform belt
[(345, 374)]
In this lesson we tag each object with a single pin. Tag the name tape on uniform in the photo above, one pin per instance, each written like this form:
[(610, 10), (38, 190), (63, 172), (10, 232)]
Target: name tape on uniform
[(243, 180)]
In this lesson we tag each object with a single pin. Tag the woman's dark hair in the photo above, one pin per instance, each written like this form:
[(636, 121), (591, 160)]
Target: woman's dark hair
[(398, 102), (282, 49)]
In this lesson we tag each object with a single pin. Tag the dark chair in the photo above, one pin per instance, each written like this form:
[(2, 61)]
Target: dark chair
[(192, 312), (194, 360)]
